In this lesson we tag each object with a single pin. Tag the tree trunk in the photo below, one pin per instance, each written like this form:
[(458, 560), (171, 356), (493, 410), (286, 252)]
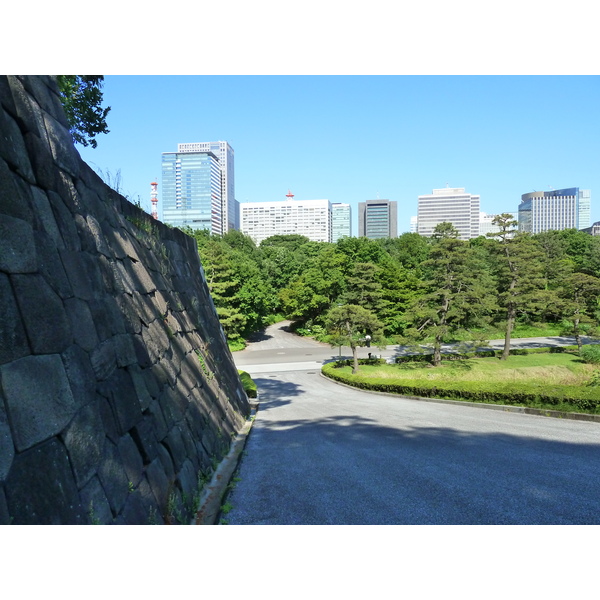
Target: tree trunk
[(441, 329), (355, 357), (510, 324), (437, 351), (577, 333)]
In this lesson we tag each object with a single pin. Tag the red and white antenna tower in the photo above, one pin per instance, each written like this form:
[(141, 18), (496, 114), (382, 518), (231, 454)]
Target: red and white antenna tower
[(289, 195), (154, 198)]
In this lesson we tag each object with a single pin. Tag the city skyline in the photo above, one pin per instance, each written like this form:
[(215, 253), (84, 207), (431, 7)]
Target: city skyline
[(354, 138)]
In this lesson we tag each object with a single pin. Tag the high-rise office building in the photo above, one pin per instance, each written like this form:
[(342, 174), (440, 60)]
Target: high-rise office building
[(311, 218), (378, 219), (341, 221), (198, 187), (569, 208), (191, 190), (449, 205)]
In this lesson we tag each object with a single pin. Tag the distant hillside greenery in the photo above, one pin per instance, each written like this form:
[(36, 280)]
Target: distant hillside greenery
[(438, 289)]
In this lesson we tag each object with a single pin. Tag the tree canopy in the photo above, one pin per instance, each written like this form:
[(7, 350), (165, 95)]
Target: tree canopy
[(427, 290), (81, 97)]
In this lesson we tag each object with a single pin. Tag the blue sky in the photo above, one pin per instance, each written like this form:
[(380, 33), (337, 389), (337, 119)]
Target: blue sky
[(359, 137)]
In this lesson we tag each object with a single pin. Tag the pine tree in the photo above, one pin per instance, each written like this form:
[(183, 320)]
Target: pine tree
[(349, 325), (520, 275), (456, 292)]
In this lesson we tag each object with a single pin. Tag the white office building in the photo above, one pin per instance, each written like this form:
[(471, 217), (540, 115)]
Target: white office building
[(310, 218), (449, 205), (569, 208)]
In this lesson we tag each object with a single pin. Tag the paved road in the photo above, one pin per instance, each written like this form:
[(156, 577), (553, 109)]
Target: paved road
[(276, 350), (320, 453)]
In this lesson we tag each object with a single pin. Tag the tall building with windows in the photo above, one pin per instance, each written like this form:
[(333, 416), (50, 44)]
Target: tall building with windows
[(449, 205), (341, 221), (311, 218), (191, 190), (569, 208), (378, 219), (198, 188)]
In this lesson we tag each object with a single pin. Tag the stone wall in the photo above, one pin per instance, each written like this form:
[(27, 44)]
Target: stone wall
[(118, 393)]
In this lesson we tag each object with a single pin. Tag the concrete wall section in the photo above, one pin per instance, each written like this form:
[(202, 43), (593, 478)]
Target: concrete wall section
[(118, 393)]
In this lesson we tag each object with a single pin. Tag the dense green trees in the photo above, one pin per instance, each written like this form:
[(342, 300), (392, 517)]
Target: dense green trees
[(432, 290), (457, 292)]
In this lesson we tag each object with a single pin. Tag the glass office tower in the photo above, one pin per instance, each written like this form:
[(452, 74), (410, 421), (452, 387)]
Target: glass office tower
[(341, 221), (378, 219), (191, 190), (569, 208), (222, 152)]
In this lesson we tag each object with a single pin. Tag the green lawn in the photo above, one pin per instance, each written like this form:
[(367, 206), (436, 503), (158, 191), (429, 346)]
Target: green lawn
[(542, 369), (556, 381)]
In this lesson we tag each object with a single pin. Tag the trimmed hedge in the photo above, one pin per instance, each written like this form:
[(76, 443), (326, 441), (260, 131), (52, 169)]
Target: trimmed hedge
[(248, 384), (484, 354), (557, 397)]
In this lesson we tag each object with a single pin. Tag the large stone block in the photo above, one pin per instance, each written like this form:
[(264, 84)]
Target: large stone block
[(61, 144), (107, 316), (159, 484), (144, 435), (45, 216), (175, 445), (65, 222), (50, 265), (82, 324), (14, 195), (83, 273), (84, 440), (12, 147), (80, 374), (141, 507), (13, 340), (132, 460), (46, 322), (40, 489), (120, 392), (113, 477), (38, 411), (6, 96), (17, 246), (188, 480), (4, 516), (7, 449), (95, 503)]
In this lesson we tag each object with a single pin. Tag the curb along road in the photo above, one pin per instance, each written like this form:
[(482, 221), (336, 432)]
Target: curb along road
[(214, 492), (557, 414)]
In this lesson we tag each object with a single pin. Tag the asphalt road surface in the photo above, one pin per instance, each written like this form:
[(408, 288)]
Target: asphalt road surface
[(320, 453)]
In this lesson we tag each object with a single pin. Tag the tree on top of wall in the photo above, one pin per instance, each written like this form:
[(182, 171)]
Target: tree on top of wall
[(81, 97)]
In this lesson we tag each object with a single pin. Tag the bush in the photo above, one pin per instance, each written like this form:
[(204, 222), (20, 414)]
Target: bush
[(591, 354), (248, 384)]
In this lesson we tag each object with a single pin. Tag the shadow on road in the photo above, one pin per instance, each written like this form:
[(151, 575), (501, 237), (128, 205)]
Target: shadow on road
[(273, 391), (258, 336), (416, 475)]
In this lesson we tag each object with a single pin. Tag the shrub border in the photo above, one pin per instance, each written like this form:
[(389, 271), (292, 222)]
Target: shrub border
[(478, 393)]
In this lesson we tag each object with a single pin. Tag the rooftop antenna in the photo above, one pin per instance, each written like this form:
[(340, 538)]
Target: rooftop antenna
[(154, 198), (289, 195)]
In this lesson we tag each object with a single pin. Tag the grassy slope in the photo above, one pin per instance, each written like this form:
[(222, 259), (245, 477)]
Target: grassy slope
[(563, 377)]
